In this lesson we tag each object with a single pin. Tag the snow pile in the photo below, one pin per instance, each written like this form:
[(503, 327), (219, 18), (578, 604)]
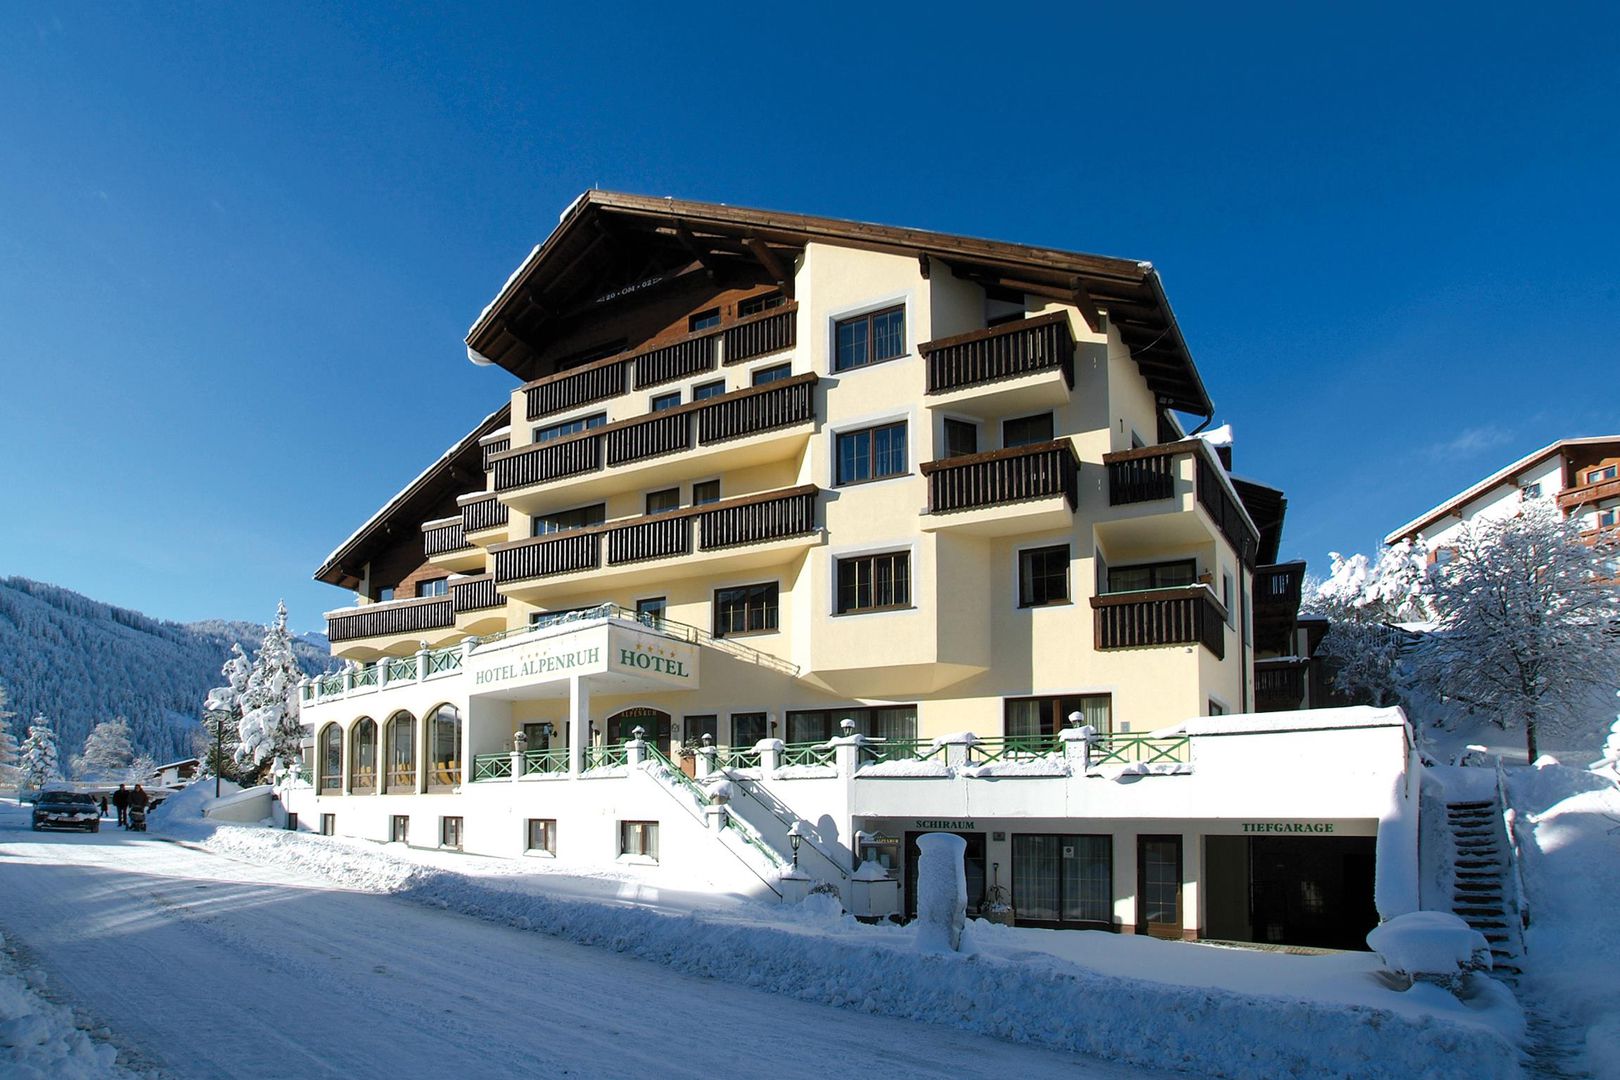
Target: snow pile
[(1205, 1029), (38, 1039), (941, 892), (1430, 943), (182, 814)]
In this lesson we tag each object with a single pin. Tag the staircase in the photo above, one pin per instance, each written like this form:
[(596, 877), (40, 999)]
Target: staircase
[(1483, 893)]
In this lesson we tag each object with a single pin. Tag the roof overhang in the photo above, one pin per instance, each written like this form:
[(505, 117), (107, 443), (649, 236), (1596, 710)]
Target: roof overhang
[(609, 246)]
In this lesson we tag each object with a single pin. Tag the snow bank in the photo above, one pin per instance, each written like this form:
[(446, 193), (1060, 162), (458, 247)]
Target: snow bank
[(39, 1039), (1208, 1031), (1430, 943)]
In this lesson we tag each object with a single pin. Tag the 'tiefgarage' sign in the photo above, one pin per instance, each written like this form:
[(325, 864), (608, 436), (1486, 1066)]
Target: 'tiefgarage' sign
[(1287, 826)]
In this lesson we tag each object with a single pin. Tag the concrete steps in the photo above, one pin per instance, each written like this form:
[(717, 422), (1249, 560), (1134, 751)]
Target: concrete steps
[(1480, 890)]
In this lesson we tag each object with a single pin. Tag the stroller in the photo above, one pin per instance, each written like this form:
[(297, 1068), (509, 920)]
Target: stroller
[(137, 819)]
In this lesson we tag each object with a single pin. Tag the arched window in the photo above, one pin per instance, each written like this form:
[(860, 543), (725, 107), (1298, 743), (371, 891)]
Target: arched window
[(444, 748), (401, 752), (363, 757), (331, 757)]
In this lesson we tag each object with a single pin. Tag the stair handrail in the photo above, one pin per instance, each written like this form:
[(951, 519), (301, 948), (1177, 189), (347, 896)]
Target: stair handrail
[(742, 785), (1521, 902), (745, 832)]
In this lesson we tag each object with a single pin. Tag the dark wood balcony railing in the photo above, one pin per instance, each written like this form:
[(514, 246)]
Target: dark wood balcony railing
[(441, 538), (972, 481), (1135, 620), (493, 447), (761, 335), (752, 519), (1279, 686), (677, 360), (1148, 473), (391, 617), (579, 386), (750, 411), (476, 593), (1001, 352), (484, 512), (1279, 586), (1588, 494)]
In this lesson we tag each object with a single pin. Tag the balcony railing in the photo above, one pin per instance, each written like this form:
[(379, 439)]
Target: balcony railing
[(1149, 473), (484, 512), (493, 447), (972, 481), (1279, 586), (1184, 616), (390, 618), (750, 411), (1001, 352), (443, 537), (476, 593), (744, 339), (1279, 685), (1588, 494), (754, 519)]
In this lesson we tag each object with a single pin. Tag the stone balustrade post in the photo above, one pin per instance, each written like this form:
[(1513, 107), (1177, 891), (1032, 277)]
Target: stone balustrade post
[(421, 661), (770, 757)]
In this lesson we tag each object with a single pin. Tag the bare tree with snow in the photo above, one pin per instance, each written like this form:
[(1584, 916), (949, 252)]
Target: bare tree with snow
[(1364, 601), (108, 751), (38, 759), (1527, 621), (270, 725)]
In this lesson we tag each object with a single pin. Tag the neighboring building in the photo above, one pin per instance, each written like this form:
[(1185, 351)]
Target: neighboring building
[(174, 774), (1582, 474), (859, 516)]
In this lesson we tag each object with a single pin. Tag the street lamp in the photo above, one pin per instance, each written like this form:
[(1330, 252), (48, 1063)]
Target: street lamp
[(794, 839)]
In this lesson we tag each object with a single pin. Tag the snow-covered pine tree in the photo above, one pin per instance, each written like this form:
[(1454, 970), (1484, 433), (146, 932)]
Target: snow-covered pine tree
[(38, 760), (222, 716), (8, 744), (1362, 601), (1527, 616), (270, 731), (140, 770), (108, 751)]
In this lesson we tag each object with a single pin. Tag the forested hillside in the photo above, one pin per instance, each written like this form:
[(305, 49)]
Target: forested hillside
[(78, 661)]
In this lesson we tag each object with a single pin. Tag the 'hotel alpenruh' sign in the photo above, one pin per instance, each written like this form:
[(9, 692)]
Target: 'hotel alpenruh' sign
[(591, 650)]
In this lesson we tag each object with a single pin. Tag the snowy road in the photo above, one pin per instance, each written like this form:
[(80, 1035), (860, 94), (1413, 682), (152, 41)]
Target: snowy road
[(206, 967)]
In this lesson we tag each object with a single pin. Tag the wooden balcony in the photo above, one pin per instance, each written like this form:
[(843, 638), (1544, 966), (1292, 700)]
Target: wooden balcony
[(443, 537), (489, 447), (1002, 352), (1279, 685), (475, 593), (742, 413), (744, 339), (653, 542), (481, 511), (1010, 487), (1588, 495), (392, 618), (1152, 474), (1138, 620), (1277, 594)]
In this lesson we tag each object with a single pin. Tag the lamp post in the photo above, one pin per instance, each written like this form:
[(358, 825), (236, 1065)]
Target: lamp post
[(794, 839)]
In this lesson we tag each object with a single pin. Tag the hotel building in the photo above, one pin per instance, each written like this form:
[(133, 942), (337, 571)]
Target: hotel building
[(798, 537)]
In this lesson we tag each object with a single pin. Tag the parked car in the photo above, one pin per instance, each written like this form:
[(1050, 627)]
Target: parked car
[(67, 810)]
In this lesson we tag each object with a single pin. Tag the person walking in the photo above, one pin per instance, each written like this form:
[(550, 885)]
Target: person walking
[(138, 801), (104, 806), (120, 799)]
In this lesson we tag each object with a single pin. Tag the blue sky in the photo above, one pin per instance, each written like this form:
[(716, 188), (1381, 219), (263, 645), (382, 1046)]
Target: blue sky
[(236, 240)]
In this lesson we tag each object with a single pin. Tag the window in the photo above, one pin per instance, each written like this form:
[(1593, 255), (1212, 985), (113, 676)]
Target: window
[(874, 582), (439, 586), (639, 838), (401, 743), (1043, 576), (385, 593), (705, 391), (1061, 879), (328, 824), (1216, 708), (580, 517), (363, 757), (399, 829), (753, 305), (662, 502), (660, 402), (961, 438), (1165, 575), (1026, 430), (705, 492), (1226, 596), (1046, 716), (331, 772), (543, 835), (651, 611), (703, 320), (747, 728), (1529, 491), (569, 427), (774, 373), (450, 832), (1442, 555), (700, 725), (897, 723), (444, 747), (1598, 476), (1606, 518), (871, 453), (869, 339), (745, 609)]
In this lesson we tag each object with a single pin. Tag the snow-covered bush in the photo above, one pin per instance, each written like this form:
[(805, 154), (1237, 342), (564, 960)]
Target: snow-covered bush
[(1430, 946)]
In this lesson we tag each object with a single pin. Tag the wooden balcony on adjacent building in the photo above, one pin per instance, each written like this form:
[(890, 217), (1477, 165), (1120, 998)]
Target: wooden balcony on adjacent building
[(1155, 617), (395, 627), (1588, 495), (1277, 596), (1157, 483), (732, 343), (744, 533), (1002, 492), (445, 544), (1280, 684), (1021, 366), (749, 427)]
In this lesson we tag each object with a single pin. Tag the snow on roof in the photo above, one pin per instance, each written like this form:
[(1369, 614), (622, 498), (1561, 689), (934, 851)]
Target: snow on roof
[(1221, 436), (473, 354), (1308, 720), (1496, 479)]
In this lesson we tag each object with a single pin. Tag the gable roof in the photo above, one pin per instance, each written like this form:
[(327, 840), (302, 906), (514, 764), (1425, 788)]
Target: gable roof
[(1496, 479), (624, 241)]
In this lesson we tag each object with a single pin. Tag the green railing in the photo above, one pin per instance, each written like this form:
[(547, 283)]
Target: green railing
[(807, 753), (1141, 750), (492, 767), (548, 762), (331, 684), (401, 669), (605, 757), (754, 840), (366, 676), (736, 757), (308, 690), (441, 660), (676, 774), (1014, 748), (902, 750)]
